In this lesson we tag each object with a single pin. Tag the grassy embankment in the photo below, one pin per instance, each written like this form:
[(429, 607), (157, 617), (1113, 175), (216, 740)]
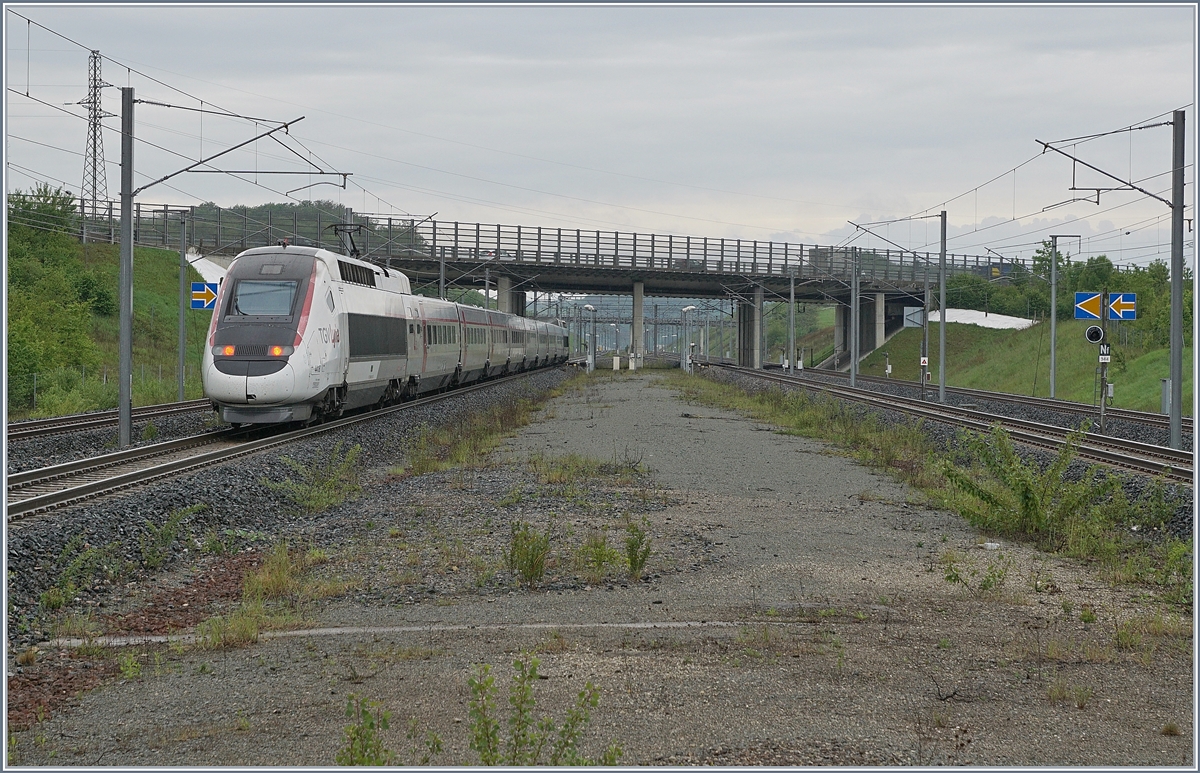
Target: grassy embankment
[(155, 340), (1018, 361)]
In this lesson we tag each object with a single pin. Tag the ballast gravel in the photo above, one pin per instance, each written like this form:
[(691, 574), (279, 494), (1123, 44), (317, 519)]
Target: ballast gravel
[(794, 611)]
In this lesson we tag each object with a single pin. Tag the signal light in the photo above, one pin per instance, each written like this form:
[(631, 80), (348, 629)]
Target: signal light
[(227, 350), (276, 351), (1094, 334)]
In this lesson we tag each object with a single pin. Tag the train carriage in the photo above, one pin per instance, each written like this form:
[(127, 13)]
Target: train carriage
[(301, 333)]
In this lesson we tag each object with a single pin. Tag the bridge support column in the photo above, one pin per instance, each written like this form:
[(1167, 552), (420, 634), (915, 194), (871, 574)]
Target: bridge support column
[(504, 294), (880, 321), (841, 336), (637, 338), (749, 332), (758, 328), (741, 318)]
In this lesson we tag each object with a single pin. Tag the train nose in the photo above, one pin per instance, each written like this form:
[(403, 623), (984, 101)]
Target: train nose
[(250, 382), (272, 388)]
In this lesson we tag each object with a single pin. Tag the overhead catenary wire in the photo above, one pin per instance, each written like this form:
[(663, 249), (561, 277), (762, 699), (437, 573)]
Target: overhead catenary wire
[(489, 149)]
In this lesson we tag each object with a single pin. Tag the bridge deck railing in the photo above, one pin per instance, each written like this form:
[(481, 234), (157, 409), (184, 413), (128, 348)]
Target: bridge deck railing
[(214, 230)]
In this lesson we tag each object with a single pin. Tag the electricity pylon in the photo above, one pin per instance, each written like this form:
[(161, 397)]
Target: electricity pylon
[(95, 184)]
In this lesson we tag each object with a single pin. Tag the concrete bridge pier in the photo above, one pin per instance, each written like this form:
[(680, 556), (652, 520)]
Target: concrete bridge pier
[(749, 331), (872, 327), (508, 300), (504, 294), (637, 338)]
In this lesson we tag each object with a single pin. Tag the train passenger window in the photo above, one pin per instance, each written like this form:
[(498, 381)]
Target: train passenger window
[(410, 327)]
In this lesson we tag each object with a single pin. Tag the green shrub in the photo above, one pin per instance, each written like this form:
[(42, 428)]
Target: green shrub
[(1016, 497), (1174, 571), (529, 738), (57, 597), (363, 744), (276, 578)]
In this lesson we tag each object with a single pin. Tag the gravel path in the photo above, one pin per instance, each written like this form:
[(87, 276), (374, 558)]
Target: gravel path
[(794, 612)]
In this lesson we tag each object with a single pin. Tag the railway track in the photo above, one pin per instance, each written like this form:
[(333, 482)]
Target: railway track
[(39, 491), (23, 430), (1142, 417), (1116, 452)]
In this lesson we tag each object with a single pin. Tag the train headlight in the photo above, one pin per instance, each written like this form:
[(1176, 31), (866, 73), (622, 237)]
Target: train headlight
[(226, 350), (280, 351)]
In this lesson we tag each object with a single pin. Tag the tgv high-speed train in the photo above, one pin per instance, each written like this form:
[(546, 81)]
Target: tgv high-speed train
[(301, 333)]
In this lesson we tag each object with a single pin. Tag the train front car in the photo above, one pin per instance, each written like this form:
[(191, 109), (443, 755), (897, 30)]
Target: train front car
[(259, 366)]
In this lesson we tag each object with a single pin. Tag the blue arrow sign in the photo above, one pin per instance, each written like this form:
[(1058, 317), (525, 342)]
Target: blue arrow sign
[(1122, 306), (204, 295), (1087, 306)]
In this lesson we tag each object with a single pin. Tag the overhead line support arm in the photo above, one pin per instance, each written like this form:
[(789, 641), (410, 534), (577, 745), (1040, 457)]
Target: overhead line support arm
[(217, 155), (1047, 146)]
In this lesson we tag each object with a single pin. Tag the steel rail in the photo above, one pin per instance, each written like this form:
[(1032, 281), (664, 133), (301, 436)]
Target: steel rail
[(20, 480), (23, 430), (1127, 454), (1124, 414), (72, 495)]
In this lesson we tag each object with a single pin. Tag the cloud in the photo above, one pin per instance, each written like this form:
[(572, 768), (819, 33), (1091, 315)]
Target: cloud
[(724, 121)]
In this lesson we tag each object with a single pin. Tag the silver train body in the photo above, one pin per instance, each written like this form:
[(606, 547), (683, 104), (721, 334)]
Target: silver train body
[(301, 333)]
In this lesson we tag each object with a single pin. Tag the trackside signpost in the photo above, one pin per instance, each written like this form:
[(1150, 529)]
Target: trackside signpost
[(204, 295), (1104, 306)]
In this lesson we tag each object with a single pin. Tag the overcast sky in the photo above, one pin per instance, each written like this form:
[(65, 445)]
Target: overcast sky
[(774, 123)]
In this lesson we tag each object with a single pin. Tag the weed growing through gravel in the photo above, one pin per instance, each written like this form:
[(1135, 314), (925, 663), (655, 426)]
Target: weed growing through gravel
[(595, 557), (637, 546), (269, 597), (324, 484), (467, 441), (79, 566), (156, 541), (1087, 518), (527, 553), (83, 626), (575, 468), (130, 667), (978, 581), (529, 738)]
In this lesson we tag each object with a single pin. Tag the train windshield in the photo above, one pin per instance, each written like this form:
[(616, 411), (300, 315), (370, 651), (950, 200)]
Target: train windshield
[(262, 298)]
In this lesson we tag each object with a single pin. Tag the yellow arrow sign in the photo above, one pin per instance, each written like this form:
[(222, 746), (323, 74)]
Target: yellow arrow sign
[(1091, 305), (1122, 305), (206, 295)]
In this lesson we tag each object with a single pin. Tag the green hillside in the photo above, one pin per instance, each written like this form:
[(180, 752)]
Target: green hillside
[(1018, 361)]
